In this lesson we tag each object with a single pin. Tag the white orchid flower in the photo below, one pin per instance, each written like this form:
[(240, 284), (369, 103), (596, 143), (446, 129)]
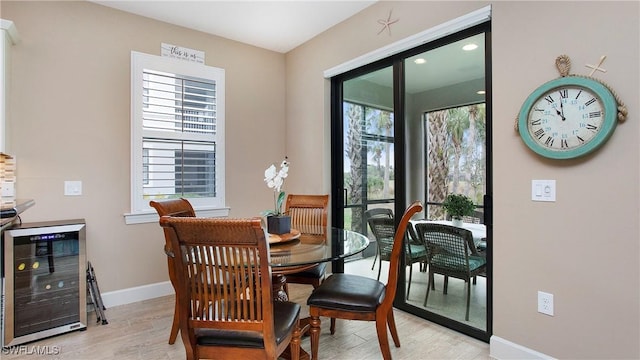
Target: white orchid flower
[(278, 182), (275, 181), (269, 174), (284, 172)]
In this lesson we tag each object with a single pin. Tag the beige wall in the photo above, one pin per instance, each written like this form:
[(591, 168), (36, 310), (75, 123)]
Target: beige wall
[(584, 248), (70, 118)]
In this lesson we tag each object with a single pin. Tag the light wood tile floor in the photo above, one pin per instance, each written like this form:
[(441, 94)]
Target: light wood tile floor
[(141, 330)]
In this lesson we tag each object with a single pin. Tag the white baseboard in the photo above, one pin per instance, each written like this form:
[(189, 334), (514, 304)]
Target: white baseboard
[(502, 349), (135, 294)]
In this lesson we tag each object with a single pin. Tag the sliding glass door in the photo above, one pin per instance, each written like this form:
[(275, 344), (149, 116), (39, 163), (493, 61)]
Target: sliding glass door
[(368, 138), (414, 126)]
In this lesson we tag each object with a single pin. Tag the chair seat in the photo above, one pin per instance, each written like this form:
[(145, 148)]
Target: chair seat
[(418, 251), (284, 314), (454, 263), (313, 273), (349, 293)]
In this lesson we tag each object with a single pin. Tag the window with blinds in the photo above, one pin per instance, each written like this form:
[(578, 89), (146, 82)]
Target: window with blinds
[(178, 125)]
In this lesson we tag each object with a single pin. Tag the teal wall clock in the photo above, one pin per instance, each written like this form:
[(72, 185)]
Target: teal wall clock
[(569, 117)]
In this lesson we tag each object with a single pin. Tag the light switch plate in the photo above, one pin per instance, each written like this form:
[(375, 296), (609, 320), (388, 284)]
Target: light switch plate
[(73, 188), (543, 190), (7, 189)]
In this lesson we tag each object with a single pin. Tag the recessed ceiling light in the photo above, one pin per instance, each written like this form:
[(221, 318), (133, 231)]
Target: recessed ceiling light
[(469, 47), (419, 61), (481, 92)]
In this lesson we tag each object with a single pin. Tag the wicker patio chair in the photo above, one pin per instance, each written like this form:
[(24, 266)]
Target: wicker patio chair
[(452, 254), (384, 229)]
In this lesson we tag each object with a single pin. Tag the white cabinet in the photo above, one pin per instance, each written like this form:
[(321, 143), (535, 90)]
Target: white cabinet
[(9, 38)]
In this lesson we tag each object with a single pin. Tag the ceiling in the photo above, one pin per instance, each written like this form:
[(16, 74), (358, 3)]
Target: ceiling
[(274, 25), (283, 25)]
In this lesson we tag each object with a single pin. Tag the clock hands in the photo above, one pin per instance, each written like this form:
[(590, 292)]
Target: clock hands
[(559, 113)]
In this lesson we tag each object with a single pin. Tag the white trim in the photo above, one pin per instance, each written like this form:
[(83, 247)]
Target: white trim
[(152, 216), (139, 62), (135, 294), (502, 349), (10, 28), (452, 26)]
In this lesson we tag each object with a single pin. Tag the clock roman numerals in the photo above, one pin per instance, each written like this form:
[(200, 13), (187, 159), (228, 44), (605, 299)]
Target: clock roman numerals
[(568, 117), (549, 141), (578, 95)]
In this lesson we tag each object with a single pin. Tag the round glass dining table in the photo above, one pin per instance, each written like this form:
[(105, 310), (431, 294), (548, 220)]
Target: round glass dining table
[(295, 252)]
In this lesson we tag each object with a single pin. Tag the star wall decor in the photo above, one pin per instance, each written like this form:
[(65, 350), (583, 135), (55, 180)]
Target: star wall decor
[(597, 67), (386, 23)]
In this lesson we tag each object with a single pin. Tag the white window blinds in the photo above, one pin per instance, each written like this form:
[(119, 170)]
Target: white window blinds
[(177, 132), (179, 128)]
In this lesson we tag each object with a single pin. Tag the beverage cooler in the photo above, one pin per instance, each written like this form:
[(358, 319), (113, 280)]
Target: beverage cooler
[(43, 280)]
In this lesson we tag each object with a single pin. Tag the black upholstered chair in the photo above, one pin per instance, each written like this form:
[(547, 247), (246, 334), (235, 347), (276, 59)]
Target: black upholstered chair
[(354, 297)]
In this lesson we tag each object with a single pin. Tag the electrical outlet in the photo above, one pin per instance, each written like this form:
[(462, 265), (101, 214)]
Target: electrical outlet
[(545, 303)]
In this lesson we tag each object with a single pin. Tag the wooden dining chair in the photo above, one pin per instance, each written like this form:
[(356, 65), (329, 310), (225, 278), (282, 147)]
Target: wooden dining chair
[(179, 208), (452, 253), (309, 216), (225, 297), (354, 297)]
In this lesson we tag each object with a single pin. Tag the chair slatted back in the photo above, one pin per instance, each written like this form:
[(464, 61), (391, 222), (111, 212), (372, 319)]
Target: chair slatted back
[(223, 274), (308, 213)]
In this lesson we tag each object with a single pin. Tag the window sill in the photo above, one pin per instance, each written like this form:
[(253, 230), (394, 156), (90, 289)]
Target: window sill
[(149, 217)]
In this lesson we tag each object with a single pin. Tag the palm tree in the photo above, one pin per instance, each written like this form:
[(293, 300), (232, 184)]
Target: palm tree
[(481, 126), (457, 123), (470, 152), (353, 150), (382, 124), (437, 161)]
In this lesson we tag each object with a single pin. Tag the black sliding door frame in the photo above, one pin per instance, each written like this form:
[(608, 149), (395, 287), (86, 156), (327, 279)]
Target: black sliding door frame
[(337, 165)]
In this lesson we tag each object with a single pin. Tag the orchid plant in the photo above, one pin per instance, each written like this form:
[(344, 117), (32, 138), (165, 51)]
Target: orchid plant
[(275, 181)]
